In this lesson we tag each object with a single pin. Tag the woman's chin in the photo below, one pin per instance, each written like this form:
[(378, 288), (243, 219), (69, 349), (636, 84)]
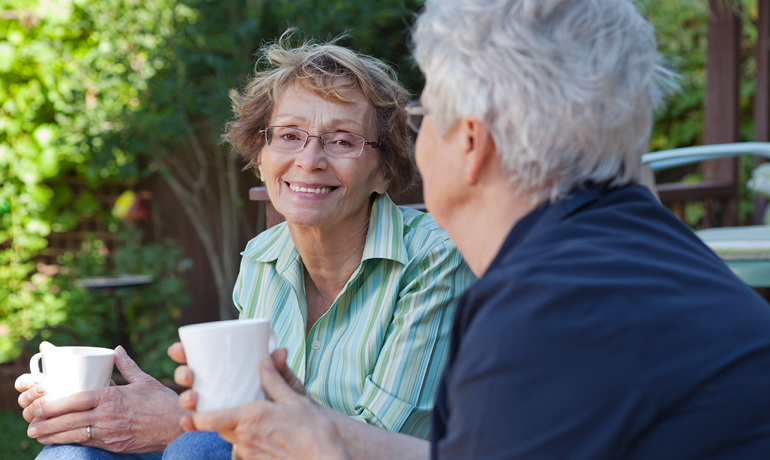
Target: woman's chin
[(305, 219)]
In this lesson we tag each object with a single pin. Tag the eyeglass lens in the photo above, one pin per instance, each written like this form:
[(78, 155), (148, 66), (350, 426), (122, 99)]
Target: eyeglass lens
[(293, 140), (414, 121)]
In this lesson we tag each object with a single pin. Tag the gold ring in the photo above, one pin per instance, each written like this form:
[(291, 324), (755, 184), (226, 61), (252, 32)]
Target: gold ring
[(233, 455), (88, 430)]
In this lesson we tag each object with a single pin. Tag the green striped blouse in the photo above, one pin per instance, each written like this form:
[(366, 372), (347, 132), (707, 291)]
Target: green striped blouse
[(378, 352)]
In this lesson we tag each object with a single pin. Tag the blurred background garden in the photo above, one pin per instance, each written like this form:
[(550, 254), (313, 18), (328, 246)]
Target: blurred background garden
[(111, 113)]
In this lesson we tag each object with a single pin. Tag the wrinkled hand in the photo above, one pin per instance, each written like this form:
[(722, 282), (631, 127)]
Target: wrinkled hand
[(291, 425), (139, 417)]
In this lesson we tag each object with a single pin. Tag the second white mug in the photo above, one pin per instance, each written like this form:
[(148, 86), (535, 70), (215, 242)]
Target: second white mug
[(224, 357)]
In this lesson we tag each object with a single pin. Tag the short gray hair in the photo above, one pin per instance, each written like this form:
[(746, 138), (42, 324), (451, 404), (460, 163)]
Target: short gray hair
[(567, 88)]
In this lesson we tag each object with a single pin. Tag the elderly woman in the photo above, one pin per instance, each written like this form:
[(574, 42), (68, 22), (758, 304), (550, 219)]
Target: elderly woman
[(359, 291), (601, 327)]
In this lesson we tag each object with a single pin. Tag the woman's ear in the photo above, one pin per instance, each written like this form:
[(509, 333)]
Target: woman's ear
[(260, 173), (481, 151), (382, 186)]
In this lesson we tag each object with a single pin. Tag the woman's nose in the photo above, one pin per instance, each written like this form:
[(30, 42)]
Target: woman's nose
[(312, 156)]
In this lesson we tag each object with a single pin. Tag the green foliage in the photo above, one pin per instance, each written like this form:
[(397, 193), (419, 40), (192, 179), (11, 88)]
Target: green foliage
[(209, 48), (150, 313), (680, 27), (14, 442), (67, 70)]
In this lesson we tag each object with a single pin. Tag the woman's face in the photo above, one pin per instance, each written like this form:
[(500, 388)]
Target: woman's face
[(311, 188)]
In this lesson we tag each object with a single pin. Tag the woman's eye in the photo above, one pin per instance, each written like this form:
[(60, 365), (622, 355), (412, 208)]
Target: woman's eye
[(290, 137), (342, 142)]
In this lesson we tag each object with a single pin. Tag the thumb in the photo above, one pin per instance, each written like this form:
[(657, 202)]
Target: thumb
[(279, 361), (128, 368), (273, 382)]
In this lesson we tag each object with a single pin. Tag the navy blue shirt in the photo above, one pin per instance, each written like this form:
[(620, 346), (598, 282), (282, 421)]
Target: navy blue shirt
[(605, 329)]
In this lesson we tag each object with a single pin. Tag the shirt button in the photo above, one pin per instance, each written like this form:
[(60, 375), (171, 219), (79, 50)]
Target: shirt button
[(315, 345)]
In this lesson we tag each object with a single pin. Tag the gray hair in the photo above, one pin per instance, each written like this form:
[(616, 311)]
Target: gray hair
[(567, 88)]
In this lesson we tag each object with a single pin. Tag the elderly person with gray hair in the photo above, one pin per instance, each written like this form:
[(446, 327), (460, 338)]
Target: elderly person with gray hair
[(600, 327)]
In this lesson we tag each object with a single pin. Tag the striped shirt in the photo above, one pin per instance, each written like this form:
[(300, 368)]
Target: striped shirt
[(378, 352)]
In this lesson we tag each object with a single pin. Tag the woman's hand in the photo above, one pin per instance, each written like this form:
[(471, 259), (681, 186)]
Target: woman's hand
[(139, 417), (290, 425)]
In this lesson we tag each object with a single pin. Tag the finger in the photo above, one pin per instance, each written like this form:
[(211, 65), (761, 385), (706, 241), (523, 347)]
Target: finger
[(65, 428), (275, 386), (28, 411), (46, 345), (186, 422), (128, 368), (26, 381), (183, 375), (188, 400), (176, 352), (76, 436), (279, 361), (78, 402), (218, 420), (28, 397)]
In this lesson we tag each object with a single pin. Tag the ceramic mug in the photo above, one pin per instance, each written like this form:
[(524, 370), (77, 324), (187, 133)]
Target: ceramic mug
[(70, 370), (224, 357)]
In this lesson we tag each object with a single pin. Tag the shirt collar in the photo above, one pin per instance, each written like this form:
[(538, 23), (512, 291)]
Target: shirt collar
[(543, 216), (384, 238), (276, 246)]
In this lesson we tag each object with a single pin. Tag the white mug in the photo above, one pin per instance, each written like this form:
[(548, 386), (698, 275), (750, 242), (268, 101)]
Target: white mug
[(70, 370), (224, 357)]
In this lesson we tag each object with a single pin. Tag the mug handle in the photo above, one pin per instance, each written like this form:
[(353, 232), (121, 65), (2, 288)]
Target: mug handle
[(272, 344), (34, 364)]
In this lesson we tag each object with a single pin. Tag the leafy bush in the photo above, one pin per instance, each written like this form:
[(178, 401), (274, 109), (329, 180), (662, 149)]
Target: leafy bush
[(151, 313)]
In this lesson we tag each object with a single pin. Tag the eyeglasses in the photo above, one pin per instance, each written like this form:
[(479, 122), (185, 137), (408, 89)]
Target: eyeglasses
[(344, 145), (414, 113)]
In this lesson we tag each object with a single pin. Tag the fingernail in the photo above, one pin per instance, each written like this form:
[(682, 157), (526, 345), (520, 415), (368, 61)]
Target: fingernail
[(267, 361), (31, 431), (42, 440), (41, 389), (38, 412)]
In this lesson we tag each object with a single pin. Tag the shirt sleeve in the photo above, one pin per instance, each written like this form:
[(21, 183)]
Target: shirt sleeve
[(399, 394)]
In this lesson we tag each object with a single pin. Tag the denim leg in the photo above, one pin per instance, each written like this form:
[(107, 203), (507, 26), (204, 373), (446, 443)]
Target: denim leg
[(78, 452), (200, 445)]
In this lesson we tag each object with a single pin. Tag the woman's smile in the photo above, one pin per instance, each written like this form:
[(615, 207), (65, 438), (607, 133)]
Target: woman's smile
[(310, 189)]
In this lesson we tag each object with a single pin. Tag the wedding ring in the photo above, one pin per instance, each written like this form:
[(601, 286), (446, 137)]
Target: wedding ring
[(88, 430), (233, 455)]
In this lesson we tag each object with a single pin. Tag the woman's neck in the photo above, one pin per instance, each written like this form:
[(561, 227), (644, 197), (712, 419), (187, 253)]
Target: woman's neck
[(329, 255)]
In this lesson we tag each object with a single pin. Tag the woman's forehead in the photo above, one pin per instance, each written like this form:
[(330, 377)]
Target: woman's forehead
[(296, 102)]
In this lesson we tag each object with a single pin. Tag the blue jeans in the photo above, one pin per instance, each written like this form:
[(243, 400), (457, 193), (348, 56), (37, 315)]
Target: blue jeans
[(78, 452), (201, 445), (198, 445)]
